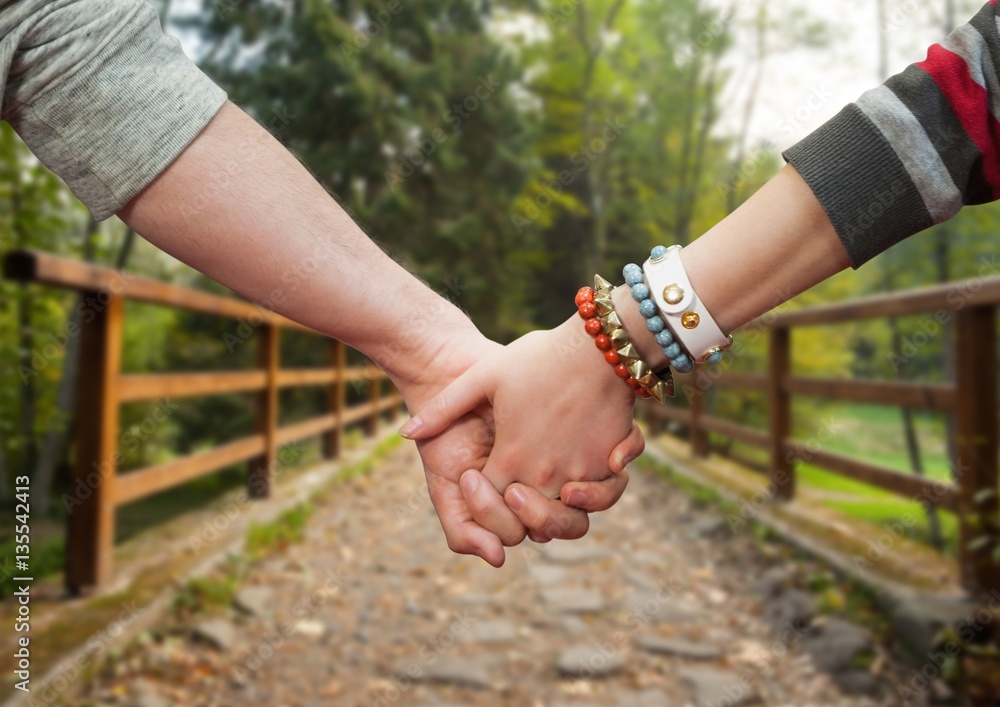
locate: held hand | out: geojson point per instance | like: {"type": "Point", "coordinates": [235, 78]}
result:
{"type": "Point", "coordinates": [559, 412]}
{"type": "Point", "coordinates": [483, 524]}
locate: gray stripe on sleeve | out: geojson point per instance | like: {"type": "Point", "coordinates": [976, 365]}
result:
{"type": "Point", "coordinates": [911, 144]}
{"type": "Point", "coordinates": [968, 43]}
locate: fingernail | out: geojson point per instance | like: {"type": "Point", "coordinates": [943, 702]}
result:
{"type": "Point", "coordinates": [626, 461]}
{"type": "Point", "coordinates": [515, 499]}
{"type": "Point", "coordinates": [576, 498]}
{"type": "Point", "coordinates": [411, 427]}
{"type": "Point", "coordinates": [470, 482]}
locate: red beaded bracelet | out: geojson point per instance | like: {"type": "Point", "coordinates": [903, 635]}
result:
{"type": "Point", "coordinates": [588, 311]}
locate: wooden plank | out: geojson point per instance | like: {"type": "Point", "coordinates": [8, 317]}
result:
{"type": "Point", "coordinates": [338, 399]}
{"type": "Point", "coordinates": [977, 441]}
{"type": "Point", "coordinates": [948, 298]}
{"type": "Point", "coordinates": [928, 396]}
{"type": "Point", "coordinates": [47, 269]}
{"type": "Point", "coordinates": [740, 433]}
{"type": "Point", "coordinates": [307, 428]}
{"type": "Point", "coordinates": [91, 524]}
{"type": "Point", "coordinates": [780, 413]}
{"type": "Point", "coordinates": [183, 385]}
{"type": "Point", "coordinates": [292, 378]}
{"type": "Point", "coordinates": [916, 487]}
{"type": "Point", "coordinates": [266, 412]}
{"type": "Point", "coordinates": [356, 413]}
{"type": "Point", "coordinates": [145, 482]}
{"type": "Point", "coordinates": [745, 381]}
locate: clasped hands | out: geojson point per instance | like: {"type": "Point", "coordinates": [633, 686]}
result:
{"type": "Point", "coordinates": [521, 440]}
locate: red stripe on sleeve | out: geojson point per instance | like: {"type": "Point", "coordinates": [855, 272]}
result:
{"type": "Point", "coordinates": [971, 104]}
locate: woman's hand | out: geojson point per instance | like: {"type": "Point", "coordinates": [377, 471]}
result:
{"type": "Point", "coordinates": [560, 415]}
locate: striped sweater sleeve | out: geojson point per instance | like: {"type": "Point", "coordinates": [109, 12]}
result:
{"type": "Point", "coordinates": [910, 153]}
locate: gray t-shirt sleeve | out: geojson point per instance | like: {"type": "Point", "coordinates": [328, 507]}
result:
{"type": "Point", "coordinates": [101, 96]}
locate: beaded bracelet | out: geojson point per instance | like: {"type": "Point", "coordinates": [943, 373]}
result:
{"type": "Point", "coordinates": [635, 279]}
{"type": "Point", "coordinates": [602, 322]}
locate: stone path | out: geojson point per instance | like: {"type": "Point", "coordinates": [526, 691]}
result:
{"type": "Point", "coordinates": [656, 607]}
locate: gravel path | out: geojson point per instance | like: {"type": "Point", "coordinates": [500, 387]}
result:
{"type": "Point", "coordinates": [653, 608]}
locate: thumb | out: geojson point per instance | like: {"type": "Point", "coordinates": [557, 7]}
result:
{"type": "Point", "coordinates": [461, 395]}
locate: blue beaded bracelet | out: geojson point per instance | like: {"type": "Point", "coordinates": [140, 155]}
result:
{"type": "Point", "coordinates": [635, 279]}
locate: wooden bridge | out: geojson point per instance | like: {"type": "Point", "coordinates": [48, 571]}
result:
{"type": "Point", "coordinates": [971, 398]}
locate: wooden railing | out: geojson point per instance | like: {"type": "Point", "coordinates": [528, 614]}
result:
{"type": "Point", "coordinates": [102, 388]}
{"type": "Point", "coordinates": [971, 398]}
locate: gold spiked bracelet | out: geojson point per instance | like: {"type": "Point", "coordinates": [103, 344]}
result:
{"type": "Point", "coordinates": [603, 323]}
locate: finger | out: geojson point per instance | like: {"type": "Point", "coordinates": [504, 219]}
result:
{"type": "Point", "coordinates": [538, 537]}
{"type": "Point", "coordinates": [595, 496]}
{"type": "Point", "coordinates": [627, 450]}
{"type": "Point", "coordinates": [545, 516]}
{"type": "Point", "coordinates": [464, 535]}
{"type": "Point", "coordinates": [489, 510]}
{"type": "Point", "coordinates": [459, 397]}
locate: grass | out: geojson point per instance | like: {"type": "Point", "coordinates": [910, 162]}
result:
{"type": "Point", "coordinates": [287, 528]}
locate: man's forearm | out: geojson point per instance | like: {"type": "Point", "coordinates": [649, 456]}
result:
{"type": "Point", "coordinates": [237, 206]}
{"type": "Point", "coordinates": [776, 245]}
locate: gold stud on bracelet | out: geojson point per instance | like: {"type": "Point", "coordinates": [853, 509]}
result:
{"type": "Point", "coordinates": [690, 320]}
{"type": "Point", "coordinates": [673, 293]}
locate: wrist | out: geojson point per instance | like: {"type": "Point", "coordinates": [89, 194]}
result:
{"type": "Point", "coordinates": [437, 343]}
{"type": "Point", "coordinates": [579, 354]}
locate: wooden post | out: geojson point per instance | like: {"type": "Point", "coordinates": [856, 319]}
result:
{"type": "Point", "coordinates": [338, 398]}
{"type": "Point", "coordinates": [780, 414]}
{"type": "Point", "coordinates": [976, 471]}
{"type": "Point", "coordinates": [91, 523]}
{"type": "Point", "coordinates": [698, 434]}
{"type": "Point", "coordinates": [262, 467]}
{"type": "Point", "coordinates": [374, 393]}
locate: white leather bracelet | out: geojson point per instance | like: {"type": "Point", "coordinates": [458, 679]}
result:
{"type": "Point", "coordinates": [691, 323]}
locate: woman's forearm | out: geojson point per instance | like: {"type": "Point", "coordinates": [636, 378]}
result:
{"type": "Point", "coordinates": [777, 244]}
{"type": "Point", "coordinates": [237, 206]}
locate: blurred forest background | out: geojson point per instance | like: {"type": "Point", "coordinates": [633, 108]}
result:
{"type": "Point", "coordinates": [505, 152]}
